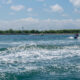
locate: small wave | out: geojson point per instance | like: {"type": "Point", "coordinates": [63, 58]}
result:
{"type": "Point", "coordinates": [71, 37]}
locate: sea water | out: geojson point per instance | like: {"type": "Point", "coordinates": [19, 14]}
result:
{"type": "Point", "coordinates": [39, 57]}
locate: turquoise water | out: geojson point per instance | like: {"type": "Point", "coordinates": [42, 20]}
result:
{"type": "Point", "coordinates": [39, 57]}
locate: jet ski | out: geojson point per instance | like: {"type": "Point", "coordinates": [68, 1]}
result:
{"type": "Point", "coordinates": [76, 36]}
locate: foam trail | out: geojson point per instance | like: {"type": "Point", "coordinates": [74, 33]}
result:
{"type": "Point", "coordinates": [71, 37]}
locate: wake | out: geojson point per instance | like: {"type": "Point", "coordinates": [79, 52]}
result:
{"type": "Point", "coordinates": [71, 37]}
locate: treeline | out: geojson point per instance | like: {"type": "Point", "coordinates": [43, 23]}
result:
{"type": "Point", "coordinates": [39, 32]}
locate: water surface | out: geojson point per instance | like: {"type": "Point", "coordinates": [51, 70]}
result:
{"type": "Point", "coordinates": [39, 57]}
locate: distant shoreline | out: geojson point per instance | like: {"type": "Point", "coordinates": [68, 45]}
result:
{"type": "Point", "coordinates": [40, 34]}
{"type": "Point", "coordinates": [37, 32]}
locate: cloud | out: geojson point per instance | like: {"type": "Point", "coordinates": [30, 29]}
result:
{"type": "Point", "coordinates": [30, 19]}
{"type": "Point", "coordinates": [40, 0]}
{"type": "Point", "coordinates": [6, 1]}
{"type": "Point", "coordinates": [76, 3]}
{"type": "Point", "coordinates": [17, 7]}
{"type": "Point", "coordinates": [56, 8]}
{"type": "Point", "coordinates": [9, 1]}
{"type": "Point", "coordinates": [77, 10]}
{"type": "Point", "coordinates": [37, 24]}
{"type": "Point", "coordinates": [65, 15]}
{"type": "Point", "coordinates": [29, 9]}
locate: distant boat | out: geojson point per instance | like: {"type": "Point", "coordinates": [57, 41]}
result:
{"type": "Point", "coordinates": [76, 36]}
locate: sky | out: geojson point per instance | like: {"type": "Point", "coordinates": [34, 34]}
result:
{"type": "Point", "coordinates": [39, 14]}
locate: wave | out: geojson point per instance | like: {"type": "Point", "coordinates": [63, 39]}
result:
{"type": "Point", "coordinates": [41, 59]}
{"type": "Point", "coordinates": [23, 57]}
{"type": "Point", "coordinates": [34, 60]}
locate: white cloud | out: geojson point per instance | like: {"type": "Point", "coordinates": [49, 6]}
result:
{"type": "Point", "coordinates": [9, 1]}
{"type": "Point", "coordinates": [29, 9]}
{"type": "Point", "coordinates": [30, 19]}
{"type": "Point", "coordinates": [37, 24]}
{"type": "Point", "coordinates": [65, 15]}
{"type": "Point", "coordinates": [17, 7]}
{"type": "Point", "coordinates": [56, 8]}
{"type": "Point", "coordinates": [40, 0]}
{"type": "Point", "coordinates": [6, 1]}
{"type": "Point", "coordinates": [77, 10]}
{"type": "Point", "coordinates": [76, 3]}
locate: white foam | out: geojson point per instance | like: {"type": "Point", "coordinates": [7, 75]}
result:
{"type": "Point", "coordinates": [71, 37]}
{"type": "Point", "coordinates": [21, 57]}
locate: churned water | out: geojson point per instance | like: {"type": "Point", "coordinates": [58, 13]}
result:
{"type": "Point", "coordinates": [39, 57]}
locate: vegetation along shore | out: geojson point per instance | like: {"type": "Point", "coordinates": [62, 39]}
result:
{"type": "Point", "coordinates": [69, 31]}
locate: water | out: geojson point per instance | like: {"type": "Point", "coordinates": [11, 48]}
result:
{"type": "Point", "coordinates": [39, 57]}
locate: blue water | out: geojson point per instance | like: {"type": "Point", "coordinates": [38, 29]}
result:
{"type": "Point", "coordinates": [39, 57]}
